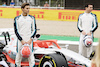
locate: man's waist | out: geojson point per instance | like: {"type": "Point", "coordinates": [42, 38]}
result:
{"type": "Point", "coordinates": [26, 38]}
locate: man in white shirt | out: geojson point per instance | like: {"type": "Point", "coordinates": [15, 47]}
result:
{"type": "Point", "coordinates": [25, 30]}
{"type": "Point", "coordinates": [87, 24]}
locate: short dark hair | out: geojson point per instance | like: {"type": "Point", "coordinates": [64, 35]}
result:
{"type": "Point", "coordinates": [24, 4]}
{"type": "Point", "coordinates": [87, 4]}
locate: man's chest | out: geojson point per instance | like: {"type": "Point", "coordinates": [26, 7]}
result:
{"type": "Point", "coordinates": [87, 18]}
{"type": "Point", "coordinates": [25, 22]}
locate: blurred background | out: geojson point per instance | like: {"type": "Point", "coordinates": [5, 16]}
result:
{"type": "Point", "coordinates": [67, 4]}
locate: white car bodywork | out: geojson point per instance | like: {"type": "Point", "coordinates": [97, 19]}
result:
{"type": "Point", "coordinates": [10, 50]}
{"type": "Point", "coordinates": [79, 59]}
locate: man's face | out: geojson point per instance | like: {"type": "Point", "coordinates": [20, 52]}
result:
{"type": "Point", "coordinates": [26, 9]}
{"type": "Point", "coordinates": [89, 8]}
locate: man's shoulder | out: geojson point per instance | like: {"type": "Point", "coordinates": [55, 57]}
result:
{"type": "Point", "coordinates": [17, 17]}
{"type": "Point", "coordinates": [93, 14]}
{"type": "Point", "coordinates": [81, 14]}
{"type": "Point", "coordinates": [31, 16]}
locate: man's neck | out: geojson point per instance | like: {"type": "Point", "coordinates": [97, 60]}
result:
{"type": "Point", "coordinates": [87, 12]}
{"type": "Point", "coordinates": [24, 14]}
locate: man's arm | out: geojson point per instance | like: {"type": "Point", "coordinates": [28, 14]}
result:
{"type": "Point", "coordinates": [95, 24]}
{"type": "Point", "coordinates": [34, 29]}
{"type": "Point", "coordinates": [16, 29]}
{"type": "Point", "coordinates": [79, 23]}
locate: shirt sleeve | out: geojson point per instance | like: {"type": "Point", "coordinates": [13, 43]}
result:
{"type": "Point", "coordinates": [95, 24]}
{"type": "Point", "coordinates": [16, 29]}
{"type": "Point", "coordinates": [34, 28]}
{"type": "Point", "coordinates": [79, 24]}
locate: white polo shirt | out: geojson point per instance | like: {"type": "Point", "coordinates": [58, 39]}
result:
{"type": "Point", "coordinates": [25, 27]}
{"type": "Point", "coordinates": [87, 22]}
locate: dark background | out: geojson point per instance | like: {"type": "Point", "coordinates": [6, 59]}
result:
{"type": "Point", "coordinates": [67, 4]}
{"type": "Point", "coordinates": [79, 4]}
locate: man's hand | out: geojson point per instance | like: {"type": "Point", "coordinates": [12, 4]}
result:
{"type": "Point", "coordinates": [23, 42]}
{"type": "Point", "coordinates": [89, 33]}
{"type": "Point", "coordinates": [29, 42]}
{"type": "Point", "coordinates": [83, 32]}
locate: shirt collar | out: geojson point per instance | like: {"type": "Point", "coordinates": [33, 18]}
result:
{"type": "Point", "coordinates": [24, 16]}
{"type": "Point", "coordinates": [87, 13]}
